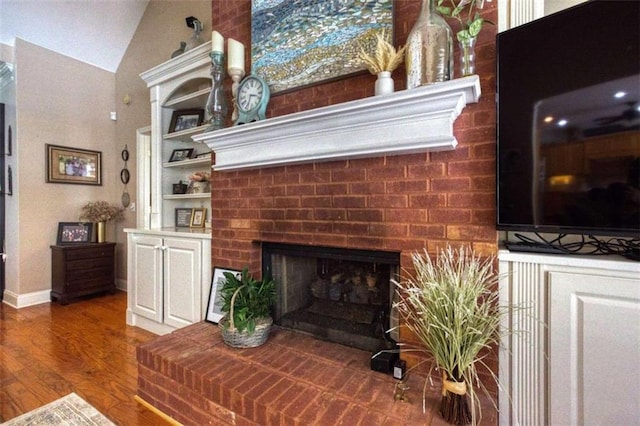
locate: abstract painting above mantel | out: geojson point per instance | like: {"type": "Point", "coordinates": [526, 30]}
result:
{"type": "Point", "coordinates": [297, 43]}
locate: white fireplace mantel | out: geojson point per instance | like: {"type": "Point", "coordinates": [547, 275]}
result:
{"type": "Point", "coordinates": [405, 122]}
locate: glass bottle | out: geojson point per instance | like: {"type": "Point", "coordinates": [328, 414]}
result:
{"type": "Point", "coordinates": [216, 106]}
{"type": "Point", "coordinates": [429, 55]}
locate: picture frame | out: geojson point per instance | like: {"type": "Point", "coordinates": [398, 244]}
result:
{"type": "Point", "coordinates": [185, 119]}
{"type": "Point", "coordinates": [183, 217]}
{"type": "Point", "coordinates": [198, 217]}
{"type": "Point", "coordinates": [181, 154]}
{"type": "Point", "coordinates": [322, 44]}
{"type": "Point", "coordinates": [74, 233]}
{"type": "Point", "coordinates": [214, 305]}
{"type": "Point", "coordinates": [73, 165]}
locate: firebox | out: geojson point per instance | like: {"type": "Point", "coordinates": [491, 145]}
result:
{"type": "Point", "coordinates": [336, 294]}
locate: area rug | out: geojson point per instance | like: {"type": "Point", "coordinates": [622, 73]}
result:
{"type": "Point", "coordinates": [70, 410]}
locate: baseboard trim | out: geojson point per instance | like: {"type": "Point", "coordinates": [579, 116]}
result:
{"type": "Point", "coordinates": [19, 301]}
{"type": "Point", "coordinates": [156, 411]}
{"type": "Point", "coordinates": [29, 299]}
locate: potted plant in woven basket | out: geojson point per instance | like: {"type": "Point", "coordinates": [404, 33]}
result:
{"type": "Point", "coordinates": [247, 306]}
{"type": "Point", "coordinates": [451, 307]}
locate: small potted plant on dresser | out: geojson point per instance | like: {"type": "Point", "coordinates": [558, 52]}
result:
{"type": "Point", "coordinates": [247, 306]}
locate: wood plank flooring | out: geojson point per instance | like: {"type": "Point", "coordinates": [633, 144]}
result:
{"type": "Point", "coordinates": [49, 350]}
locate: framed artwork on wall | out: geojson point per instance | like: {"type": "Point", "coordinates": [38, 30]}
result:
{"type": "Point", "coordinates": [295, 44]}
{"type": "Point", "coordinates": [214, 306]}
{"type": "Point", "coordinates": [73, 165]}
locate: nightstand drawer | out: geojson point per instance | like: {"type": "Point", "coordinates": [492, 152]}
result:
{"type": "Point", "coordinates": [81, 270]}
{"type": "Point", "coordinates": [89, 253]}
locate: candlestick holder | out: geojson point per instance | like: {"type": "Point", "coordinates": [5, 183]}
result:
{"type": "Point", "coordinates": [216, 107]}
{"type": "Point", "coordinates": [236, 75]}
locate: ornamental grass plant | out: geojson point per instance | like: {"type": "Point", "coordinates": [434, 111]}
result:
{"type": "Point", "coordinates": [384, 58]}
{"type": "Point", "coordinates": [451, 306]}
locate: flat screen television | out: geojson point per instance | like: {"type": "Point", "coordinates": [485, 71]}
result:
{"type": "Point", "coordinates": [568, 107]}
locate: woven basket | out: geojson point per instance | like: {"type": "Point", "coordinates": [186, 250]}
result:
{"type": "Point", "coordinates": [234, 338]}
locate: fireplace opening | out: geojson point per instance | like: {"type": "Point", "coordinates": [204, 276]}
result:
{"type": "Point", "coordinates": [341, 295]}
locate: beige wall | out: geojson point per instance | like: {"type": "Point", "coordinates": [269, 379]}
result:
{"type": "Point", "coordinates": [59, 101]}
{"type": "Point", "coordinates": [62, 101]}
{"type": "Point", "coordinates": [159, 33]}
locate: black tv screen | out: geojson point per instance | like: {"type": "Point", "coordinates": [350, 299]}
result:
{"type": "Point", "coordinates": [568, 105]}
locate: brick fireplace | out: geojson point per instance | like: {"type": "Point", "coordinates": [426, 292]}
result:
{"type": "Point", "coordinates": [398, 198]}
{"type": "Point", "coordinates": [339, 295]}
{"type": "Point", "coordinates": [396, 203]}
{"type": "Point", "coordinates": [389, 202]}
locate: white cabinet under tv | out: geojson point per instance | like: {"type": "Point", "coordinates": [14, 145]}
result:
{"type": "Point", "coordinates": [573, 351]}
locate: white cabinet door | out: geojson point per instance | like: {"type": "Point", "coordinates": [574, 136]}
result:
{"type": "Point", "coordinates": [182, 281]}
{"type": "Point", "coordinates": [145, 276]}
{"type": "Point", "coordinates": [594, 349]}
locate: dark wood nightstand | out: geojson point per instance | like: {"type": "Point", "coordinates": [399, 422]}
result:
{"type": "Point", "coordinates": [81, 270]}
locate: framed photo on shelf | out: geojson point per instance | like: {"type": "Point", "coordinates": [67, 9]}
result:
{"type": "Point", "coordinates": [181, 154]}
{"type": "Point", "coordinates": [214, 306]}
{"type": "Point", "coordinates": [198, 217]}
{"type": "Point", "coordinates": [73, 165]}
{"type": "Point", "coordinates": [183, 217]}
{"type": "Point", "coordinates": [186, 119]}
{"type": "Point", "coordinates": [74, 233]}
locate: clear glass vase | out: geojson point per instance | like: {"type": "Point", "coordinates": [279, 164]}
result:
{"type": "Point", "coordinates": [216, 107]}
{"type": "Point", "coordinates": [467, 56]}
{"type": "Point", "coordinates": [429, 55]}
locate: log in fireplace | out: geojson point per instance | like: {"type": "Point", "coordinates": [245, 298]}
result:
{"type": "Point", "coordinates": [336, 294]}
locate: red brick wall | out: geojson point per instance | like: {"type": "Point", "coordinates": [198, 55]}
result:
{"type": "Point", "coordinates": [398, 203]}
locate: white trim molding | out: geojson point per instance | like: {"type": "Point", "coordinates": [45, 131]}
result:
{"type": "Point", "coordinates": [404, 122]}
{"type": "Point", "coordinates": [29, 299]}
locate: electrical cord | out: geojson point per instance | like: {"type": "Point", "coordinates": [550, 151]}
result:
{"type": "Point", "coordinates": [587, 245]}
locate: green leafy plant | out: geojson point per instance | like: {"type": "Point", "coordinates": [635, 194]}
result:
{"type": "Point", "coordinates": [466, 13]}
{"type": "Point", "coordinates": [253, 300]}
{"type": "Point", "coordinates": [451, 306]}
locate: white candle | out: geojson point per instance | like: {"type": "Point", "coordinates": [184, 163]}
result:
{"type": "Point", "coordinates": [236, 54]}
{"type": "Point", "coordinates": [217, 42]}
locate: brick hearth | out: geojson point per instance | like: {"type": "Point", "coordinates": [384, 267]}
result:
{"type": "Point", "coordinates": [294, 379]}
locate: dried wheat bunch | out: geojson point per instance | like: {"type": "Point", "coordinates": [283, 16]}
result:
{"type": "Point", "coordinates": [385, 57]}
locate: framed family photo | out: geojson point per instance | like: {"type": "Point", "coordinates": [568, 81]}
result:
{"type": "Point", "coordinates": [181, 154]}
{"type": "Point", "coordinates": [185, 120]}
{"type": "Point", "coordinates": [214, 306]}
{"type": "Point", "coordinates": [73, 165]}
{"type": "Point", "coordinates": [74, 233]}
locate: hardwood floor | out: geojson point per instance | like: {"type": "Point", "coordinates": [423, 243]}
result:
{"type": "Point", "coordinates": [49, 350]}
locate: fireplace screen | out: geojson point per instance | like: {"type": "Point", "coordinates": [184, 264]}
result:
{"type": "Point", "coordinates": [340, 295]}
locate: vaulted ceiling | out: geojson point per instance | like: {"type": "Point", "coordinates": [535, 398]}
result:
{"type": "Point", "coordinates": [93, 31]}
